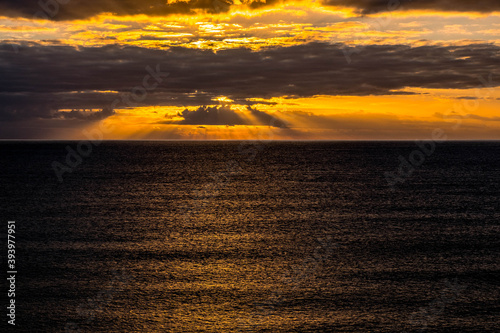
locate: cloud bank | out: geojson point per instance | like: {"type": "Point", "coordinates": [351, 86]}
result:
{"type": "Point", "coordinates": [81, 9]}
{"type": "Point", "coordinates": [39, 80]}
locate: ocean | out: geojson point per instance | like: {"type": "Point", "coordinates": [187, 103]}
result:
{"type": "Point", "coordinates": [228, 236]}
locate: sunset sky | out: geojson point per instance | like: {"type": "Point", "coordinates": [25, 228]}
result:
{"type": "Point", "coordinates": [209, 69]}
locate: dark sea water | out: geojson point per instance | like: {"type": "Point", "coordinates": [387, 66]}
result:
{"type": "Point", "coordinates": [253, 237]}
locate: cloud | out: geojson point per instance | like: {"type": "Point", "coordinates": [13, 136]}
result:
{"type": "Point", "coordinates": [44, 105]}
{"type": "Point", "coordinates": [455, 115]}
{"type": "Point", "coordinates": [211, 116]}
{"type": "Point", "coordinates": [80, 9]}
{"type": "Point", "coordinates": [40, 80]}
{"type": "Point", "coordinates": [473, 116]}
{"type": "Point", "coordinates": [375, 6]}
{"type": "Point", "coordinates": [224, 115]}
{"type": "Point", "coordinates": [89, 115]}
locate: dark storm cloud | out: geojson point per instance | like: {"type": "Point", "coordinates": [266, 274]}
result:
{"type": "Point", "coordinates": [78, 9]}
{"type": "Point", "coordinates": [374, 6]}
{"type": "Point", "coordinates": [22, 105]}
{"type": "Point", "coordinates": [211, 116]}
{"type": "Point", "coordinates": [224, 115]}
{"type": "Point", "coordinates": [89, 115]}
{"type": "Point", "coordinates": [39, 80]}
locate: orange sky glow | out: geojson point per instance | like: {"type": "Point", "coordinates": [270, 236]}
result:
{"type": "Point", "coordinates": [286, 70]}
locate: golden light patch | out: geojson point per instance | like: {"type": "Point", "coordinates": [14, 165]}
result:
{"type": "Point", "coordinates": [282, 24]}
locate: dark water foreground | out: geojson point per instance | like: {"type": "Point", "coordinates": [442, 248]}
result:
{"type": "Point", "coordinates": [262, 237]}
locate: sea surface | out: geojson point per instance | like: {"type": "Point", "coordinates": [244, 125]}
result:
{"type": "Point", "coordinates": [253, 236]}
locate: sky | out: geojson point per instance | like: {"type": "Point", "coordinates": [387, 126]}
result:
{"type": "Point", "coordinates": [249, 70]}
